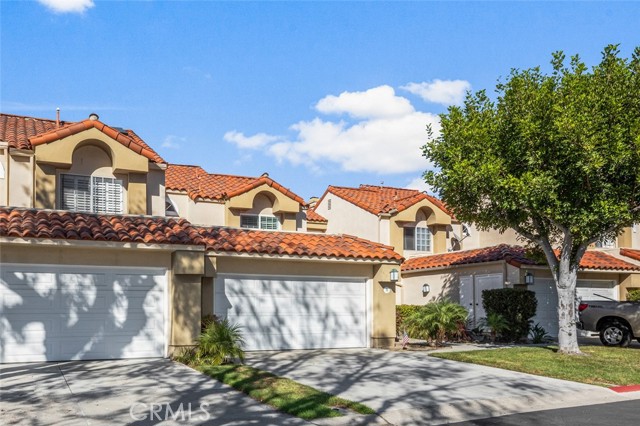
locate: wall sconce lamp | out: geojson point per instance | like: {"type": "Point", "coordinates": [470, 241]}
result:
{"type": "Point", "coordinates": [528, 278]}
{"type": "Point", "coordinates": [426, 288]}
{"type": "Point", "coordinates": [394, 275]}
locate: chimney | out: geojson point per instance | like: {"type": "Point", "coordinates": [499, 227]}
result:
{"type": "Point", "coordinates": [57, 117]}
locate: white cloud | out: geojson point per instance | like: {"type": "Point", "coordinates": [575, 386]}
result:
{"type": "Point", "coordinates": [420, 185]}
{"type": "Point", "coordinates": [445, 92]}
{"type": "Point", "coordinates": [377, 102]}
{"type": "Point", "coordinates": [68, 6]}
{"type": "Point", "coordinates": [250, 142]}
{"type": "Point", "coordinates": [173, 142]}
{"type": "Point", "coordinates": [382, 143]}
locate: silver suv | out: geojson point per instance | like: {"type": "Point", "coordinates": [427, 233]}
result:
{"type": "Point", "coordinates": [617, 322]}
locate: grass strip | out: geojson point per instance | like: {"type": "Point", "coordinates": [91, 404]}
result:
{"type": "Point", "coordinates": [602, 366]}
{"type": "Point", "coordinates": [281, 393]}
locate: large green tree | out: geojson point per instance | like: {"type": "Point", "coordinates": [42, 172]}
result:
{"type": "Point", "coordinates": [555, 156]}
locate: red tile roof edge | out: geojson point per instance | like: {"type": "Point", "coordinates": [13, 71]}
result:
{"type": "Point", "coordinates": [313, 216]}
{"type": "Point", "coordinates": [630, 253]}
{"type": "Point", "coordinates": [74, 128]}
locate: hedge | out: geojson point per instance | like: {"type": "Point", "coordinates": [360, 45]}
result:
{"type": "Point", "coordinates": [516, 306]}
{"type": "Point", "coordinates": [633, 295]}
{"type": "Point", "coordinates": [402, 312]}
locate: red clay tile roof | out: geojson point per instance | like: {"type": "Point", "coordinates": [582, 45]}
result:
{"type": "Point", "coordinates": [514, 255]}
{"type": "Point", "coordinates": [52, 224]}
{"type": "Point", "coordinates": [253, 241]}
{"type": "Point", "coordinates": [26, 132]}
{"type": "Point", "coordinates": [384, 199]}
{"type": "Point", "coordinates": [199, 184]}
{"type": "Point", "coordinates": [312, 216]}
{"type": "Point", "coordinates": [631, 253]}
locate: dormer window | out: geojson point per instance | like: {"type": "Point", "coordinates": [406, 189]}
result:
{"type": "Point", "coordinates": [91, 194]}
{"type": "Point", "coordinates": [255, 221]}
{"type": "Point", "coordinates": [417, 238]}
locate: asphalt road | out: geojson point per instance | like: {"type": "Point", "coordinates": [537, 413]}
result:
{"type": "Point", "coordinates": [625, 413]}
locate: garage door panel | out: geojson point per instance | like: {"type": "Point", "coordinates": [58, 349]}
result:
{"type": "Point", "coordinates": [294, 314]}
{"type": "Point", "coordinates": [80, 314]}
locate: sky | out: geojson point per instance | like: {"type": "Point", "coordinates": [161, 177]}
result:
{"type": "Point", "coordinates": [313, 93]}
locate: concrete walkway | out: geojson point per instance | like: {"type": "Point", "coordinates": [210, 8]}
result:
{"type": "Point", "coordinates": [103, 393]}
{"type": "Point", "coordinates": [413, 388]}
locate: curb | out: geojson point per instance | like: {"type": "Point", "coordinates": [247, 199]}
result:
{"type": "Point", "coordinates": [622, 389]}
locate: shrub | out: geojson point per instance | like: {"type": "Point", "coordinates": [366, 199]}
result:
{"type": "Point", "coordinates": [633, 295]}
{"type": "Point", "coordinates": [538, 334]}
{"type": "Point", "coordinates": [220, 343]}
{"type": "Point", "coordinates": [437, 321]}
{"type": "Point", "coordinates": [516, 306]}
{"type": "Point", "coordinates": [402, 313]}
{"type": "Point", "coordinates": [497, 323]}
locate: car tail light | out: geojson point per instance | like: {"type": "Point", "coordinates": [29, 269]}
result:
{"type": "Point", "coordinates": [582, 307]}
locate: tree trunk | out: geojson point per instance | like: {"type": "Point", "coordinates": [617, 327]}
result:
{"type": "Point", "coordinates": [566, 286]}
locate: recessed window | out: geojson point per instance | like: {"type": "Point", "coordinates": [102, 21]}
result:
{"type": "Point", "coordinates": [91, 194]}
{"type": "Point", "coordinates": [254, 221]}
{"type": "Point", "coordinates": [605, 243]}
{"type": "Point", "coordinates": [170, 208]}
{"type": "Point", "coordinates": [417, 238]}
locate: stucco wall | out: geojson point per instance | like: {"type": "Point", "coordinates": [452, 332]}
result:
{"type": "Point", "coordinates": [4, 176]}
{"type": "Point", "coordinates": [205, 213]}
{"type": "Point", "coordinates": [345, 218]}
{"type": "Point", "coordinates": [155, 191]}
{"type": "Point", "coordinates": [21, 175]}
{"type": "Point", "coordinates": [480, 239]}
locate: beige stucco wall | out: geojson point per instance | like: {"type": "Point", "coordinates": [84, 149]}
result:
{"type": "Point", "coordinates": [346, 218]}
{"type": "Point", "coordinates": [46, 179]}
{"type": "Point", "coordinates": [628, 282]}
{"type": "Point", "coordinates": [445, 283]}
{"type": "Point", "coordinates": [480, 239]}
{"type": "Point", "coordinates": [630, 237]}
{"type": "Point", "coordinates": [21, 175]}
{"type": "Point", "coordinates": [206, 213]}
{"type": "Point", "coordinates": [155, 191]}
{"type": "Point", "coordinates": [383, 331]}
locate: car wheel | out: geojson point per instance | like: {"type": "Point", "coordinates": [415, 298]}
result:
{"type": "Point", "coordinates": [615, 334]}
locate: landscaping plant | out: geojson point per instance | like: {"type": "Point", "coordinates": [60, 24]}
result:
{"type": "Point", "coordinates": [497, 325]}
{"type": "Point", "coordinates": [437, 321]}
{"type": "Point", "coordinates": [538, 334]}
{"type": "Point", "coordinates": [516, 306]}
{"type": "Point", "coordinates": [220, 343]}
{"type": "Point", "coordinates": [402, 313]}
{"type": "Point", "coordinates": [633, 295]}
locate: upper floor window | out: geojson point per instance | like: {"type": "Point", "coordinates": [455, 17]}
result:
{"type": "Point", "coordinates": [417, 238]}
{"type": "Point", "coordinates": [91, 194]}
{"type": "Point", "coordinates": [254, 221]}
{"type": "Point", "coordinates": [606, 243]}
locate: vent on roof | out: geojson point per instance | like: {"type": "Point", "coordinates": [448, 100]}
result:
{"type": "Point", "coordinates": [93, 116]}
{"type": "Point", "coordinates": [121, 130]}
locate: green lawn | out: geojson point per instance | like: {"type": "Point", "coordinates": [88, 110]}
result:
{"type": "Point", "coordinates": [281, 393]}
{"type": "Point", "coordinates": [602, 366]}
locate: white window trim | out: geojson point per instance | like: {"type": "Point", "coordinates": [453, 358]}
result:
{"type": "Point", "coordinates": [260, 216]}
{"type": "Point", "coordinates": [92, 179]}
{"type": "Point", "coordinates": [415, 239]}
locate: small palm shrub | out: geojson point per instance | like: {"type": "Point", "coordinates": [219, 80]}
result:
{"type": "Point", "coordinates": [538, 334]}
{"type": "Point", "coordinates": [437, 321]}
{"type": "Point", "coordinates": [496, 323]}
{"type": "Point", "coordinates": [220, 343]}
{"type": "Point", "coordinates": [402, 313]}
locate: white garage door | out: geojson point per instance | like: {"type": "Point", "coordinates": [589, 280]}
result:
{"type": "Point", "coordinates": [294, 313]}
{"type": "Point", "coordinates": [63, 313]}
{"type": "Point", "coordinates": [545, 289]}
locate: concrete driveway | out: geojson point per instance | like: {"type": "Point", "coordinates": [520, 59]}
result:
{"type": "Point", "coordinates": [413, 388]}
{"type": "Point", "coordinates": [103, 393]}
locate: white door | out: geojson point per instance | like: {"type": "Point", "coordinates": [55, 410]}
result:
{"type": "Point", "coordinates": [471, 287]}
{"type": "Point", "coordinates": [53, 313]}
{"type": "Point", "coordinates": [547, 295]}
{"type": "Point", "coordinates": [290, 313]}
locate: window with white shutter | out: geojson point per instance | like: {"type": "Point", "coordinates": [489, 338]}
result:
{"type": "Point", "coordinates": [91, 194]}
{"type": "Point", "coordinates": [254, 221]}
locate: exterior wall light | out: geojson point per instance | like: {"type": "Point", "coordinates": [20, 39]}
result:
{"type": "Point", "coordinates": [528, 278]}
{"type": "Point", "coordinates": [426, 288]}
{"type": "Point", "coordinates": [394, 275]}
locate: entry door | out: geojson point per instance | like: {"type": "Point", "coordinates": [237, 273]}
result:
{"type": "Point", "coordinates": [471, 287]}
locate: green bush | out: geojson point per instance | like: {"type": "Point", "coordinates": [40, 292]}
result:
{"type": "Point", "coordinates": [516, 306]}
{"type": "Point", "coordinates": [402, 313]}
{"type": "Point", "coordinates": [633, 295]}
{"type": "Point", "coordinates": [497, 323]}
{"type": "Point", "coordinates": [437, 321]}
{"type": "Point", "coordinates": [538, 334]}
{"type": "Point", "coordinates": [220, 343]}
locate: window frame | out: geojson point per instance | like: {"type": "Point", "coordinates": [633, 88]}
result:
{"type": "Point", "coordinates": [415, 239]}
{"type": "Point", "coordinates": [260, 218]}
{"type": "Point", "coordinates": [93, 182]}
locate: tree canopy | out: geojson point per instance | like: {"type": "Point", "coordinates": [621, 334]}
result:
{"type": "Point", "coordinates": [555, 156]}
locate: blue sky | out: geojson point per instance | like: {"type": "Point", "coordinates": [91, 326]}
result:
{"type": "Point", "coordinates": [313, 93]}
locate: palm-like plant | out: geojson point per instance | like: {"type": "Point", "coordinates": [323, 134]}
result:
{"type": "Point", "coordinates": [220, 343]}
{"type": "Point", "coordinates": [436, 321]}
{"type": "Point", "coordinates": [496, 323]}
